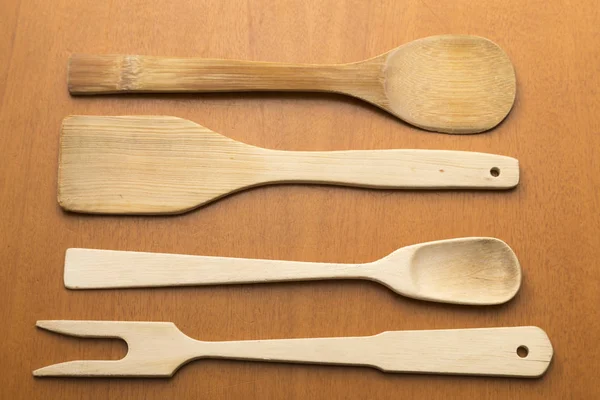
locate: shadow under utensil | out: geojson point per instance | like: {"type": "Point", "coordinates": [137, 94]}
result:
{"type": "Point", "coordinates": [373, 192]}
{"type": "Point", "coordinates": [254, 96]}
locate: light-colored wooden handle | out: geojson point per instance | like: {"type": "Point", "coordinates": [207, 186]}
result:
{"type": "Point", "coordinates": [396, 169]}
{"type": "Point", "coordinates": [93, 269]}
{"type": "Point", "coordinates": [93, 74]}
{"type": "Point", "coordinates": [486, 351]}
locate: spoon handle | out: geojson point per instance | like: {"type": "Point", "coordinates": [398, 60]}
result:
{"type": "Point", "coordinates": [95, 269]}
{"type": "Point", "coordinates": [96, 74]}
{"type": "Point", "coordinates": [395, 169]}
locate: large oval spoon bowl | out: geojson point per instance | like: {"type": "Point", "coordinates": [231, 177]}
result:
{"type": "Point", "coordinates": [450, 83]}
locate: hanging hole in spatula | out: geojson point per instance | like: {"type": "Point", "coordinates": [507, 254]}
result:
{"type": "Point", "coordinates": [495, 172]}
{"type": "Point", "coordinates": [522, 351]}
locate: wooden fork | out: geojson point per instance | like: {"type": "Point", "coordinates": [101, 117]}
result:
{"type": "Point", "coordinates": [158, 349]}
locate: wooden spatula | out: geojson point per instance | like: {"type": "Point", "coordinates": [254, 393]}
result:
{"type": "Point", "coordinates": [449, 83]}
{"type": "Point", "coordinates": [166, 165]}
{"type": "Point", "coordinates": [159, 349]}
{"type": "Point", "coordinates": [475, 271]}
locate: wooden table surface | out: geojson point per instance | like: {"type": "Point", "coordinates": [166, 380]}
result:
{"type": "Point", "coordinates": [551, 219]}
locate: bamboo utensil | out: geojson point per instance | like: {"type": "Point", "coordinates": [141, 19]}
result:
{"type": "Point", "coordinates": [169, 165]}
{"type": "Point", "coordinates": [158, 349]}
{"type": "Point", "coordinates": [475, 271]}
{"type": "Point", "coordinates": [449, 83]}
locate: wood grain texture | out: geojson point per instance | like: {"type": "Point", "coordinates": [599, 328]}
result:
{"type": "Point", "coordinates": [551, 220]}
{"type": "Point", "coordinates": [169, 165]}
{"type": "Point", "coordinates": [159, 349]}
{"type": "Point", "coordinates": [444, 83]}
{"type": "Point", "coordinates": [476, 271]}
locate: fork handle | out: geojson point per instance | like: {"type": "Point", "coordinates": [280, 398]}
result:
{"type": "Point", "coordinates": [487, 351]}
{"type": "Point", "coordinates": [96, 74]}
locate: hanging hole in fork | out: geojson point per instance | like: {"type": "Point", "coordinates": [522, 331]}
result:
{"type": "Point", "coordinates": [495, 172]}
{"type": "Point", "coordinates": [522, 351]}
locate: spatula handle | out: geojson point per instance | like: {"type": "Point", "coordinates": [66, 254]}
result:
{"type": "Point", "coordinates": [95, 269]}
{"type": "Point", "coordinates": [397, 169]}
{"type": "Point", "coordinates": [489, 351]}
{"type": "Point", "coordinates": [95, 74]}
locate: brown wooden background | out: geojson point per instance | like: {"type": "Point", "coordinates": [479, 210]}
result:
{"type": "Point", "coordinates": [551, 220]}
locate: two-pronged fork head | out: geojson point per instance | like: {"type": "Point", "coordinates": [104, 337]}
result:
{"type": "Point", "coordinates": [155, 349]}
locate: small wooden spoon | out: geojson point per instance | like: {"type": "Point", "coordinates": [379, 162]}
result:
{"type": "Point", "coordinates": [449, 83]}
{"type": "Point", "coordinates": [166, 165]}
{"type": "Point", "coordinates": [477, 271]}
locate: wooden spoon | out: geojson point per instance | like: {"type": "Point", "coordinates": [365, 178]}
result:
{"type": "Point", "coordinates": [449, 83]}
{"type": "Point", "coordinates": [477, 271]}
{"type": "Point", "coordinates": [162, 165]}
